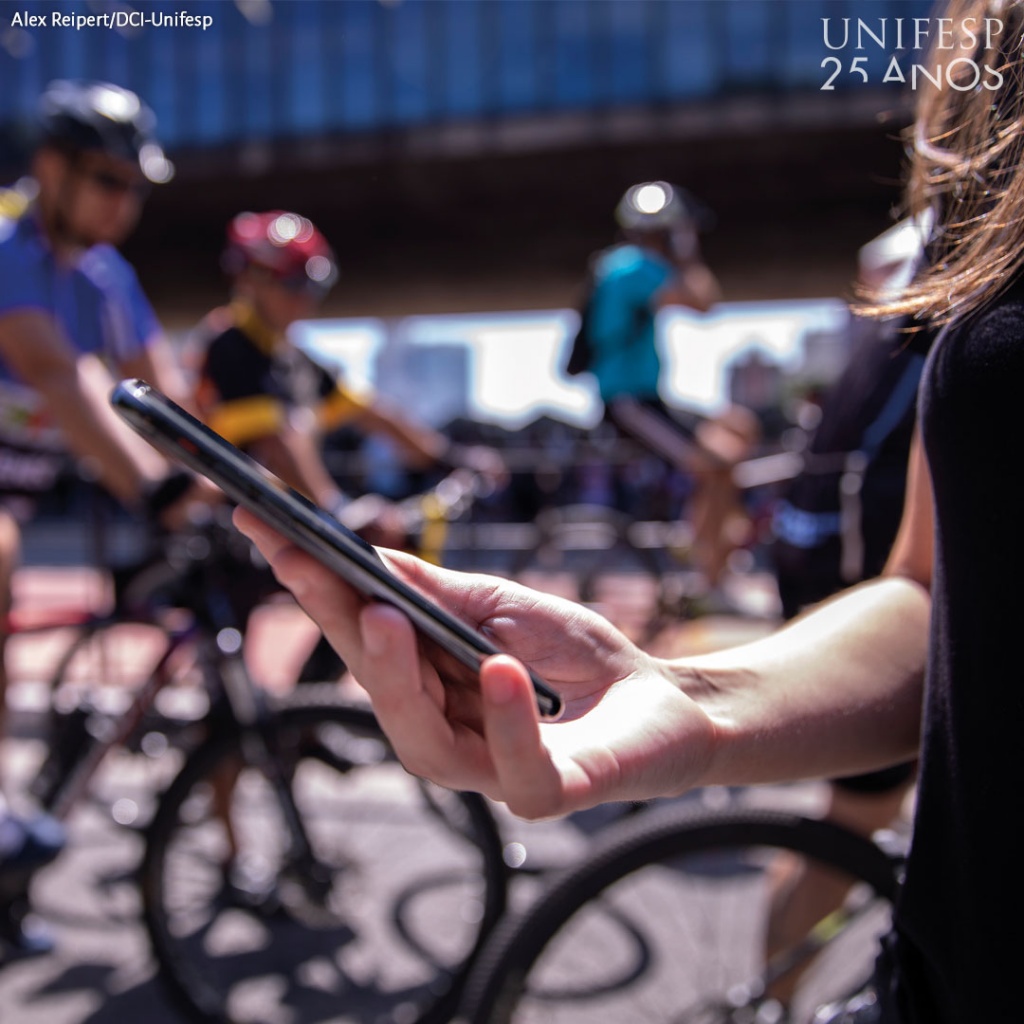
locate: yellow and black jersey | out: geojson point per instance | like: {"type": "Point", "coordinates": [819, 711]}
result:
{"type": "Point", "coordinates": [13, 203]}
{"type": "Point", "coordinates": [249, 381]}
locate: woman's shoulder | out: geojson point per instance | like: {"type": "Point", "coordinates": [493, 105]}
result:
{"type": "Point", "coordinates": [988, 345]}
{"type": "Point", "coordinates": [1002, 319]}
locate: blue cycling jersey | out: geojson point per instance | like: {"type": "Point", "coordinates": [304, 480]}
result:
{"type": "Point", "coordinates": [97, 300]}
{"type": "Point", "coordinates": [625, 354]}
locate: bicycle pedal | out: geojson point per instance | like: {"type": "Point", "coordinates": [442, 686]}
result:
{"type": "Point", "coordinates": [243, 891]}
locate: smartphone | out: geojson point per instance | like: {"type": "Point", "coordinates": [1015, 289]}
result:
{"type": "Point", "coordinates": [180, 436]}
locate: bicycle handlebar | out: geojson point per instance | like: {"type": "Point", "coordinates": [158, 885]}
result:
{"type": "Point", "coordinates": [181, 565]}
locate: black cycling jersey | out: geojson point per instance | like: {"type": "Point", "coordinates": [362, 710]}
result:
{"type": "Point", "coordinates": [870, 410]}
{"type": "Point", "coordinates": [249, 380]}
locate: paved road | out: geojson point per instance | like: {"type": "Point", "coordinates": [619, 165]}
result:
{"type": "Point", "coordinates": [101, 971]}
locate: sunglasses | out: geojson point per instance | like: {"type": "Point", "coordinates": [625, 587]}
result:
{"type": "Point", "coordinates": [300, 284]}
{"type": "Point", "coordinates": [115, 184]}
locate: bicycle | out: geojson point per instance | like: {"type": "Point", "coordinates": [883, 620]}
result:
{"type": "Point", "coordinates": [663, 921]}
{"type": "Point", "coordinates": [272, 879]}
{"type": "Point", "coordinates": [640, 573]}
{"type": "Point", "coordinates": [628, 570]}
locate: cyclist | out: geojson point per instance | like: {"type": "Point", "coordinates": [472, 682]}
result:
{"type": "Point", "coordinates": [836, 526]}
{"type": "Point", "coordinates": [924, 660]}
{"type": "Point", "coordinates": [267, 396]}
{"type": "Point", "coordinates": [657, 264]}
{"type": "Point", "coordinates": [273, 400]}
{"type": "Point", "coordinates": [70, 305]}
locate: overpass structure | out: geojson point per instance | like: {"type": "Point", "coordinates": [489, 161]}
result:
{"type": "Point", "coordinates": [467, 154]}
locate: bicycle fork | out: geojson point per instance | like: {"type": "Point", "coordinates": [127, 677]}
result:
{"type": "Point", "coordinates": [749, 1002]}
{"type": "Point", "coordinates": [249, 709]}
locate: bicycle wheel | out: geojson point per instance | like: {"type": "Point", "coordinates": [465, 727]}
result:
{"type": "Point", "coordinates": [587, 553]}
{"type": "Point", "coordinates": [664, 922]}
{"type": "Point", "coordinates": [99, 676]}
{"type": "Point", "coordinates": [108, 655]}
{"type": "Point", "coordinates": [378, 926]}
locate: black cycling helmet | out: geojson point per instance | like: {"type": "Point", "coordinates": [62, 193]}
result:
{"type": "Point", "coordinates": [658, 206]}
{"type": "Point", "coordinates": [100, 116]}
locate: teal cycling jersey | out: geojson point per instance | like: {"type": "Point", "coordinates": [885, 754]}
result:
{"type": "Point", "coordinates": [625, 358]}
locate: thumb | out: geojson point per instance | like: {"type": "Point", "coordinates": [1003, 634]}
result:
{"type": "Point", "coordinates": [529, 781]}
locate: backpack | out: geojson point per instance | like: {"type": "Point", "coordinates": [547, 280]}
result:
{"type": "Point", "coordinates": [581, 350]}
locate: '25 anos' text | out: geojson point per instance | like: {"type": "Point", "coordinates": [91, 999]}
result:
{"type": "Point", "coordinates": [962, 74]}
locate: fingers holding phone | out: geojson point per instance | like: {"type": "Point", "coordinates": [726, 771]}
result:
{"type": "Point", "coordinates": [173, 431]}
{"type": "Point", "coordinates": [434, 723]}
{"type": "Point", "coordinates": [332, 602]}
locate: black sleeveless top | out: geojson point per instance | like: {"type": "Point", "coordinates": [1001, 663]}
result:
{"type": "Point", "coordinates": [955, 951]}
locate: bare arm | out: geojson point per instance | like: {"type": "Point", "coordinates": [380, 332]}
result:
{"type": "Point", "coordinates": [294, 456]}
{"type": "Point", "coordinates": [694, 286]}
{"type": "Point", "coordinates": [839, 690]}
{"type": "Point", "coordinates": [421, 446]}
{"type": "Point", "coordinates": [76, 389]}
{"type": "Point", "coordinates": [857, 662]}
{"type": "Point", "coordinates": [424, 447]}
{"type": "Point", "coordinates": [913, 549]}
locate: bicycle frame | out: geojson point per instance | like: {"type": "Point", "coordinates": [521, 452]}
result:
{"type": "Point", "coordinates": [75, 778]}
{"type": "Point", "coordinates": [214, 629]}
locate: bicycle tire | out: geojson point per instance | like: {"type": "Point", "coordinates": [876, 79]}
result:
{"type": "Point", "coordinates": [409, 888]}
{"type": "Point", "coordinates": [685, 867]}
{"type": "Point", "coordinates": [118, 652]}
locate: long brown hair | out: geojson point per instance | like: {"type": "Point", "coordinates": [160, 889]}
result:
{"type": "Point", "coordinates": [966, 154]}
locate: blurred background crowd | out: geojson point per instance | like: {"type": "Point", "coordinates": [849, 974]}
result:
{"type": "Point", "coordinates": [463, 157]}
{"type": "Point", "coordinates": [469, 165]}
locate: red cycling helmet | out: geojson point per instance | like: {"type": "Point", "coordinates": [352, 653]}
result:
{"type": "Point", "coordinates": [286, 244]}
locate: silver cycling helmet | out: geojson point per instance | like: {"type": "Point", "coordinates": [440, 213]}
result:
{"type": "Point", "coordinates": [659, 206]}
{"type": "Point", "coordinates": [103, 117]}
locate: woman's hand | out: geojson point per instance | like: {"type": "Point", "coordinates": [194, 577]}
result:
{"type": "Point", "coordinates": [627, 732]}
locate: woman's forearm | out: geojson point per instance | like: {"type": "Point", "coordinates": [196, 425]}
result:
{"type": "Point", "coordinates": [837, 691]}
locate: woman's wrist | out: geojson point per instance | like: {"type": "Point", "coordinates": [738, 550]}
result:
{"type": "Point", "coordinates": [723, 695]}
